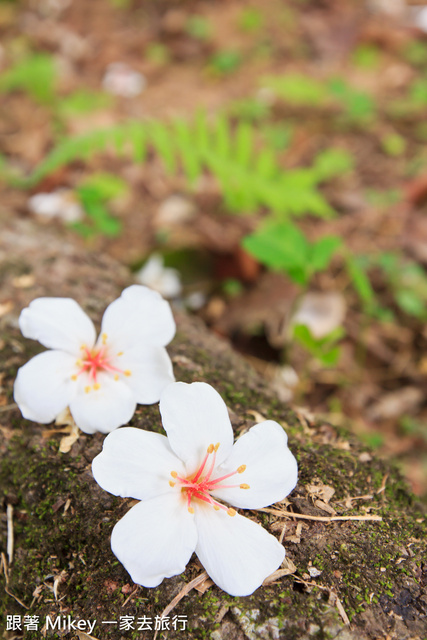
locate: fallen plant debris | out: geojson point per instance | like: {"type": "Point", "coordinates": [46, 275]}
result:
{"type": "Point", "coordinates": [268, 154]}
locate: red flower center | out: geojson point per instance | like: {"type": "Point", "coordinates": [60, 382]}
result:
{"type": "Point", "coordinates": [199, 486]}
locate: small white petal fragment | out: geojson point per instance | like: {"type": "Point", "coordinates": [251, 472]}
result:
{"type": "Point", "coordinates": [148, 546]}
{"type": "Point", "coordinates": [121, 80]}
{"type": "Point", "coordinates": [61, 204]}
{"type": "Point", "coordinates": [314, 572]}
{"type": "Point", "coordinates": [321, 312]}
{"type": "Point", "coordinates": [238, 554]}
{"type": "Point", "coordinates": [163, 279]}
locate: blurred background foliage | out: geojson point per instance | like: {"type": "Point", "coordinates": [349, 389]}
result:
{"type": "Point", "coordinates": [268, 157]}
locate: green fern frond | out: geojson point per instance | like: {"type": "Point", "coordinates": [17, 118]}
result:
{"type": "Point", "coordinates": [249, 175]}
{"type": "Point", "coordinates": [35, 75]}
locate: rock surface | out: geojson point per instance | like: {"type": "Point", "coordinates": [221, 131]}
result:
{"type": "Point", "coordinates": [374, 573]}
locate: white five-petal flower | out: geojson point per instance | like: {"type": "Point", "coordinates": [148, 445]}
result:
{"type": "Point", "coordinates": [101, 381]}
{"type": "Point", "coordinates": [182, 480]}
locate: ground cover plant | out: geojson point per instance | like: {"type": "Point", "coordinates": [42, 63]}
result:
{"type": "Point", "coordinates": [271, 154]}
{"type": "Point", "coordinates": [283, 158]}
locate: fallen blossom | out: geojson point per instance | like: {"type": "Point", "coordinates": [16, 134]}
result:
{"type": "Point", "coordinates": [321, 312]}
{"type": "Point", "coordinates": [419, 17]}
{"type": "Point", "coordinates": [182, 480]}
{"type": "Point", "coordinates": [121, 80]}
{"type": "Point", "coordinates": [163, 279]}
{"type": "Point", "coordinates": [101, 381]}
{"type": "Point", "coordinates": [61, 204]}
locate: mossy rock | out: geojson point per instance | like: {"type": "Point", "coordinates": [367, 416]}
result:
{"type": "Point", "coordinates": [63, 565]}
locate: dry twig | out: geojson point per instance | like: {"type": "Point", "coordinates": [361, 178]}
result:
{"type": "Point", "coordinates": [184, 591]}
{"type": "Point", "coordinates": [332, 593]}
{"type": "Point", "coordinates": [9, 516]}
{"type": "Point", "coordinates": [4, 567]}
{"type": "Point", "coordinates": [303, 516]}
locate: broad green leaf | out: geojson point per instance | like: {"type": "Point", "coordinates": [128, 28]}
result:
{"type": "Point", "coordinates": [280, 246]}
{"type": "Point", "coordinates": [322, 252]}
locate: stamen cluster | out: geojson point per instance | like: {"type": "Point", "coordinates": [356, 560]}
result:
{"type": "Point", "coordinates": [199, 486]}
{"type": "Point", "coordinates": [97, 360]}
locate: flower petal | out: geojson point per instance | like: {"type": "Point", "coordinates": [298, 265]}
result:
{"type": "Point", "coordinates": [105, 408]}
{"type": "Point", "coordinates": [43, 387]}
{"type": "Point", "coordinates": [139, 315]}
{"type": "Point", "coordinates": [58, 323]}
{"type": "Point", "coordinates": [151, 371]}
{"type": "Point", "coordinates": [195, 416]}
{"type": "Point", "coordinates": [155, 539]}
{"type": "Point", "coordinates": [136, 464]}
{"type": "Point", "coordinates": [237, 553]}
{"type": "Point", "coordinates": [271, 469]}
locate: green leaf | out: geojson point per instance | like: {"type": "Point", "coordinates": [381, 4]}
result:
{"type": "Point", "coordinates": [81, 102]}
{"type": "Point", "coordinates": [103, 186]}
{"type": "Point", "coordinates": [332, 162]}
{"type": "Point", "coordinates": [244, 144]}
{"type": "Point", "coordinates": [160, 136]}
{"type": "Point", "coordinates": [360, 282]}
{"type": "Point", "coordinates": [280, 246]}
{"type": "Point", "coordinates": [225, 62]}
{"type": "Point", "coordinates": [185, 143]}
{"type": "Point", "coordinates": [411, 303]}
{"type": "Point", "coordinates": [322, 252]}
{"type": "Point", "coordinates": [297, 89]}
{"type": "Point", "coordinates": [331, 357]}
{"type": "Point", "coordinates": [35, 75]}
{"type": "Point", "coordinates": [303, 335]}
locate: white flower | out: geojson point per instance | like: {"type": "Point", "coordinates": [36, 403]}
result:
{"type": "Point", "coordinates": [121, 80]}
{"type": "Point", "coordinates": [321, 312]}
{"type": "Point", "coordinates": [58, 204]}
{"type": "Point", "coordinates": [163, 279]}
{"type": "Point", "coordinates": [101, 381]}
{"type": "Point", "coordinates": [179, 480]}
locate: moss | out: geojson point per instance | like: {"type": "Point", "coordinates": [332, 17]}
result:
{"type": "Point", "coordinates": [95, 586]}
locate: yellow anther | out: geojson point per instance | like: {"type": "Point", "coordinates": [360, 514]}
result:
{"type": "Point", "coordinates": [171, 484]}
{"type": "Point", "coordinates": [231, 512]}
{"type": "Point", "coordinates": [120, 353]}
{"type": "Point", "coordinates": [190, 510]}
{"type": "Point", "coordinates": [79, 362]}
{"type": "Point", "coordinates": [96, 386]}
{"type": "Point", "coordinates": [104, 338]}
{"type": "Point", "coordinates": [244, 486]}
{"type": "Point", "coordinates": [211, 448]}
{"type": "Point", "coordinates": [241, 469]}
{"type": "Point", "coordinates": [74, 377]}
{"type": "Point", "coordinates": [87, 389]}
{"type": "Point", "coordinates": [216, 507]}
{"type": "Point", "coordinates": [127, 372]}
{"type": "Point", "coordinates": [216, 446]}
{"type": "Point", "coordinates": [174, 474]}
{"type": "Point", "coordinates": [116, 377]}
{"type": "Point", "coordinates": [83, 347]}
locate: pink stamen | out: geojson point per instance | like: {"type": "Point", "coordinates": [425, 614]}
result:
{"type": "Point", "coordinates": [199, 487]}
{"type": "Point", "coordinates": [202, 466]}
{"type": "Point", "coordinates": [95, 361]}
